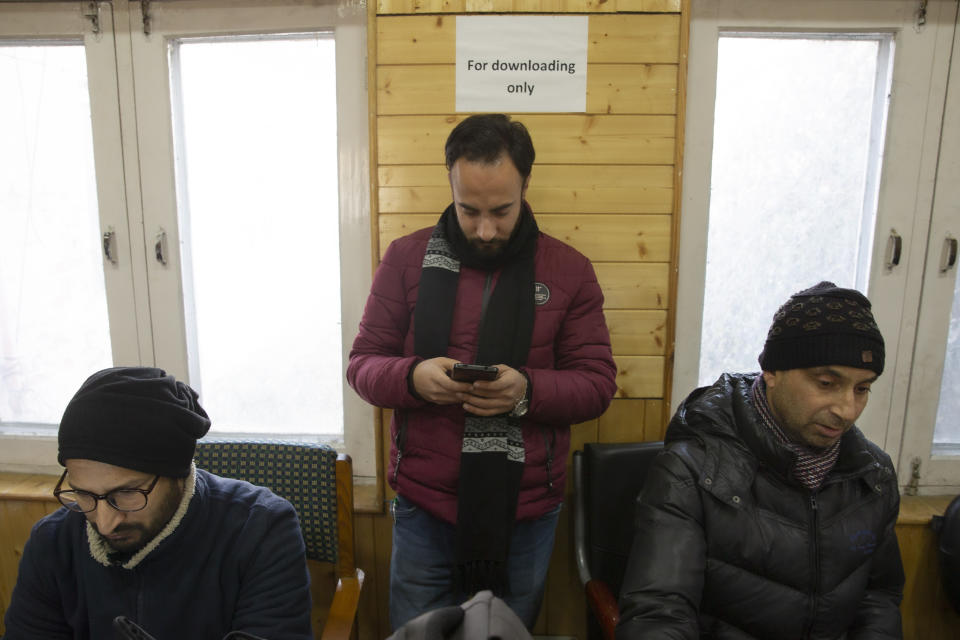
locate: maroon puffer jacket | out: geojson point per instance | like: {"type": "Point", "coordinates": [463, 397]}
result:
{"type": "Point", "coordinates": [570, 366]}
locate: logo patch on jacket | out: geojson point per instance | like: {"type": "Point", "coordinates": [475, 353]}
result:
{"type": "Point", "coordinates": [541, 294]}
{"type": "Point", "coordinates": [863, 541]}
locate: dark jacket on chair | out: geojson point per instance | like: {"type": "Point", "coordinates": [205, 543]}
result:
{"type": "Point", "coordinates": [232, 558]}
{"type": "Point", "coordinates": [730, 546]}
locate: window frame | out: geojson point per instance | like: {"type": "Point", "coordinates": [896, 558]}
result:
{"type": "Point", "coordinates": [33, 447]}
{"type": "Point", "coordinates": [939, 471]}
{"type": "Point", "coordinates": [126, 101]}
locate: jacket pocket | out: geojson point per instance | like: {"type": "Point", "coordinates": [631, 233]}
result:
{"type": "Point", "coordinates": [401, 508]}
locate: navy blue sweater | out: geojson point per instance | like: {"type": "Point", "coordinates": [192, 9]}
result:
{"type": "Point", "coordinates": [234, 561]}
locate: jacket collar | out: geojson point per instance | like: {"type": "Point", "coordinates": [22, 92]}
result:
{"type": "Point", "coordinates": [723, 419]}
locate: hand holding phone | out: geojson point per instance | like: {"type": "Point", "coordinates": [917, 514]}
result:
{"type": "Point", "coordinates": [470, 372]}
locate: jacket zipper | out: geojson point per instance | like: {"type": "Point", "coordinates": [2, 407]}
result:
{"type": "Point", "coordinates": [486, 294]}
{"type": "Point", "coordinates": [130, 578]}
{"type": "Point", "coordinates": [548, 444]}
{"type": "Point", "coordinates": [399, 442]}
{"type": "Point", "coordinates": [815, 557]}
{"type": "Point", "coordinates": [815, 540]}
{"type": "Point", "coordinates": [485, 298]}
{"type": "Point", "coordinates": [140, 595]}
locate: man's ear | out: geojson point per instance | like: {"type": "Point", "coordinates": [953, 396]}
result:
{"type": "Point", "coordinates": [453, 194]}
{"type": "Point", "coordinates": [770, 377]}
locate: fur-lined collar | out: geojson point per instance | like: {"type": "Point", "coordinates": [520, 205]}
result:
{"type": "Point", "coordinates": [100, 550]}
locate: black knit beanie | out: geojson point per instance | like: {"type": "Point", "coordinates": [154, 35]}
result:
{"type": "Point", "coordinates": [138, 418]}
{"type": "Point", "coordinates": [823, 325]}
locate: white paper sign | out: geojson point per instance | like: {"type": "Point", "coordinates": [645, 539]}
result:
{"type": "Point", "coordinates": [522, 63]}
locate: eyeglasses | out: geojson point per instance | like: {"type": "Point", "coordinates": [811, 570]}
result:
{"type": "Point", "coordinates": [120, 499]}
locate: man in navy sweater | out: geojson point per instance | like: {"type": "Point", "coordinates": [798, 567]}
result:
{"type": "Point", "coordinates": [145, 535]}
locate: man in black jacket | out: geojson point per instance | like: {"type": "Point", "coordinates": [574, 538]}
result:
{"type": "Point", "coordinates": [770, 515]}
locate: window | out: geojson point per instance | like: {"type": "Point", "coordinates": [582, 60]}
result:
{"type": "Point", "coordinates": [932, 399]}
{"type": "Point", "coordinates": [813, 143]}
{"type": "Point", "coordinates": [797, 147]}
{"type": "Point", "coordinates": [946, 435]}
{"type": "Point", "coordinates": [259, 227]}
{"type": "Point", "coordinates": [53, 304]}
{"type": "Point", "coordinates": [227, 226]}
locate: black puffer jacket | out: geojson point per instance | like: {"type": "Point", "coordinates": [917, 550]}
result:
{"type": "Point", "coordinates": [729, 546]}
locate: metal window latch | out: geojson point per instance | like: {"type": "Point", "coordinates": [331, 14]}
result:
{"type": "Point", "coordinates": [109, 246]}
{"type": "Point", "coordinates": [913, 487]}
{"type": "Point", "coordinates": [91, 11]}
{"type": "Point", "coordinates": [894, 249]}
{"type": "Point", "coordinates": [160, 247]}
{"type": "Point", "coordinates": [147, 18]}
{"type": "Point", "coordinates": [948, 256]}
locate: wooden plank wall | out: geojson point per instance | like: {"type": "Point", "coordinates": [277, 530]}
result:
{"type": "Point", "coordinates": [19, 510]}
{"type": "Point", "coordinates": [605, 181]}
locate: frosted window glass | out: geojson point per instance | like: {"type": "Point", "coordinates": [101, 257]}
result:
{"type": "Point", "coordinates": [259, 207]}
{"type": "Point", "coordinates": [947, 430]}
{"type": "Point", "coordinates": [54, 330]}
{"type": "Point", "coordinates": [789, 187]}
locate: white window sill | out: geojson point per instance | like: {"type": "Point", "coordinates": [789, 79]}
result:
{"type": "Point", "coordinates": [32, 449]}
{"type": "Point", "coordinates": [29, 449]}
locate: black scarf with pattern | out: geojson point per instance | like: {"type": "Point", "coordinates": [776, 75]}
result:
{"type": "Point", "coordinates": [492, 454]}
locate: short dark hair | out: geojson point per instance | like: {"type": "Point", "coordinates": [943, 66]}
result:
{"type": "Point", "coordinates": [482, 138]}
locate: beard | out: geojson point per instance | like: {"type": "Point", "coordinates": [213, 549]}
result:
{"type": "Point", "coordinates": [136, 535]}
{"type": "Point", "coordinates": [490, 249]}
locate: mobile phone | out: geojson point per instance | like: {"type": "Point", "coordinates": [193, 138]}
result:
{"type": "Point", "coordinates": [470, 372]}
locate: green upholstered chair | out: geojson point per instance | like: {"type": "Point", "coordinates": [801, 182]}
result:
{"type": "Point", "coordinates": [318, 482]}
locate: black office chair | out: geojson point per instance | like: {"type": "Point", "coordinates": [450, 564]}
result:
{"type": "Point", "coordinates": [948, 528]}
{"type": "Point", "coordinates": [606, 479]}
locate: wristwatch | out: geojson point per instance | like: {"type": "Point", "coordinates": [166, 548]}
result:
{"type": "Point", "coordinates": [523, 404]}
{"type": "Point", "coordinates": [520, 409]}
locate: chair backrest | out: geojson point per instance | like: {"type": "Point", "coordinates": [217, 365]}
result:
{"type": "Point", "coordinates": [313, 477]}
{"type": "Point", "coordinates": [949, 548]}
{"type": "Point", "coordinates": [607, 479]}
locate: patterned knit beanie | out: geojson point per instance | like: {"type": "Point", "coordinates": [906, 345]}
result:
{"type": "Point", "coordinates": [137, 418]}
{"type": "Point", "coordinates": [824, 325]}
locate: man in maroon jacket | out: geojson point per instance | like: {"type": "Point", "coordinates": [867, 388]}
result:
{"type": "Point", "coordinates": [479, 467]}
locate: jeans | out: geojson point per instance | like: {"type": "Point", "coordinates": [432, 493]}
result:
{"type": "Point", "coordinates": [421, 567]}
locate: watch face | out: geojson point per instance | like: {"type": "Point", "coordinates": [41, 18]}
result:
{"type": "Point", "coordinates": [520, 409]}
